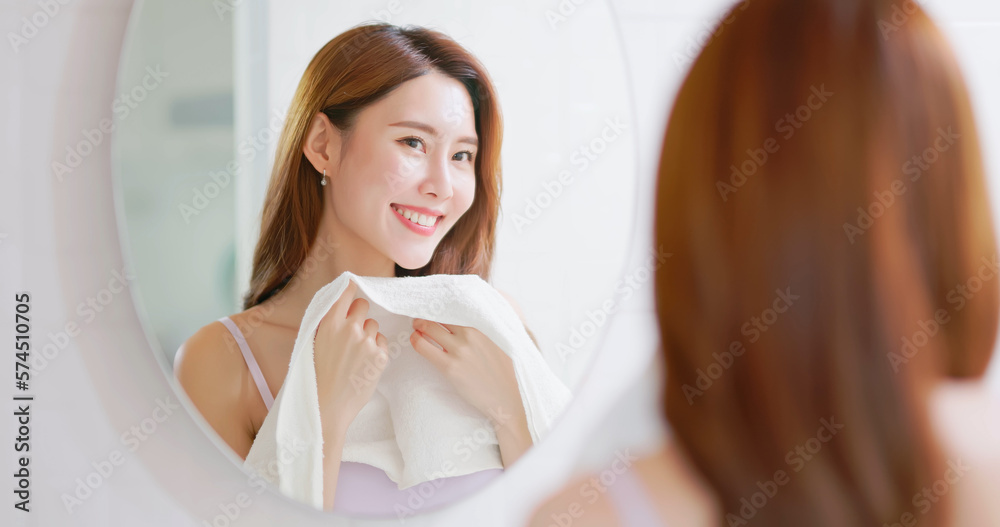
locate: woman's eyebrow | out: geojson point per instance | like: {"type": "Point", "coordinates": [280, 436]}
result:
{"type": "Point", "coordinates": [431, 130]}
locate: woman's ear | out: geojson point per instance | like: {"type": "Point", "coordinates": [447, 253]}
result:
{"type": "Point", "coordinates": [322, 144]}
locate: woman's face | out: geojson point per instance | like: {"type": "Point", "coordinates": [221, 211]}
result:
{"type": "Point", "coordinates": [407, 173]}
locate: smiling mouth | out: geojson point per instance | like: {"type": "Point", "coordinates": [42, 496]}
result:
{"type": "Point", "coordinates": [417, 219]}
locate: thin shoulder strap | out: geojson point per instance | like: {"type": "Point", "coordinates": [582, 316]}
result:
{"type": "Point", "coordinates": [258, 376]}
{"type": "Point", "coordinates": [631, 500]}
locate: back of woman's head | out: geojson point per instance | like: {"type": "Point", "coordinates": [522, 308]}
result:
{"type": "Point", "coordinates": [822, 193]}
{"type": "Point", "coordinates": [352, 71]}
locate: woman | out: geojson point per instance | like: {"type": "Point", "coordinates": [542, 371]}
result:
{"type": "Point", "coordinates": [831, 305]}
{"type": "Point", "coordinates": [388, 165]}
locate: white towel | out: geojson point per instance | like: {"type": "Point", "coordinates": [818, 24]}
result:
{"type": "Point", "coordinates": [416, 427]}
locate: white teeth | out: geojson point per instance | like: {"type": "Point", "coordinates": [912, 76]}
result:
{"type": "Point", "coordinates": [419, 219]}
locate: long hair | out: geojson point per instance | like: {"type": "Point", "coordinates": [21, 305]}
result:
{"type": "Point", "coordinates": [821, 189]}
{"type": "Point", "coordinates": [355, 69]}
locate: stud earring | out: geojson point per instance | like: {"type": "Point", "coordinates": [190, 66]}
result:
{"type": "Point", "coordinates": [323, 180]}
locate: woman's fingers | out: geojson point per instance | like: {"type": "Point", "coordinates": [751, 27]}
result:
{"type": "Point", "coordinates": [358, 309]}
{"type": "Point", "coordinates": [342, 305]}
{"type": "Point", "coordinates": [435, 331]}
{"type": "Point", "coordinates": [338, 311]}
{"type": "Point", "coordinates": [371, 328]}
{"type": "Point", "coordinates": [452, 328]}
{"type": "Point", "coordinates": [436, 356]}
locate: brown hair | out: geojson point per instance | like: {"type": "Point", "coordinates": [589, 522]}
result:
{"type": "Point", "coordinates": [350, 72]}
{"type": "Point", "coordinates": [822, 191]}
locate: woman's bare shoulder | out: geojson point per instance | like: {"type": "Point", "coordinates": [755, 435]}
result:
{"type": "Point", "coordinates": [209, 366]}
{"type": "Point", "coordinates": [966, 417]}
{"type": "Point", "coordinates": [206, 353]}
{"type": "Point", "coordinates": [671, 487]}
{"type": "Point", "coordinates": [578, 503]}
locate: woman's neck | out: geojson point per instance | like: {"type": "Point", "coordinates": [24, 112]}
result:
{"type": "Point", "coordinates": [327, 259]}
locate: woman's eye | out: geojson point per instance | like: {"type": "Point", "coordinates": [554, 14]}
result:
{"type": "Point", "coordinates": [458, 156]}
{"type": "Point", "coordinates": [412, 142]}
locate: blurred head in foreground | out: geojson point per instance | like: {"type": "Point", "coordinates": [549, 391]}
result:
{"type": "Point", "coordinates": [822, 193]}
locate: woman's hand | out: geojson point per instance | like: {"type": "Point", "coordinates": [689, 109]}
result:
{"type": "Point", "coordinates": [482, 374]}
{"type": "Point", "coordinates": [350, 356]}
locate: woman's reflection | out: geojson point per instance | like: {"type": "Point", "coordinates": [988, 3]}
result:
{"type": "Point", "coordinates": [388, 165]}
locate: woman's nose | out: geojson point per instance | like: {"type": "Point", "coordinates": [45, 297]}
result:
{"type": "Point", "coordinates": [437, 181]}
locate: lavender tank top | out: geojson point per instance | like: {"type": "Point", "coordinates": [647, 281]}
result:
{"type": "Point", "coordinates": [365, 490]}
{"type": "Point", "coordinates": [632, 502]}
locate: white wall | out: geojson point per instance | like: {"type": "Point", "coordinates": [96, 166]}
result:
{"type": "Point", "coordinates": [178, 219]}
